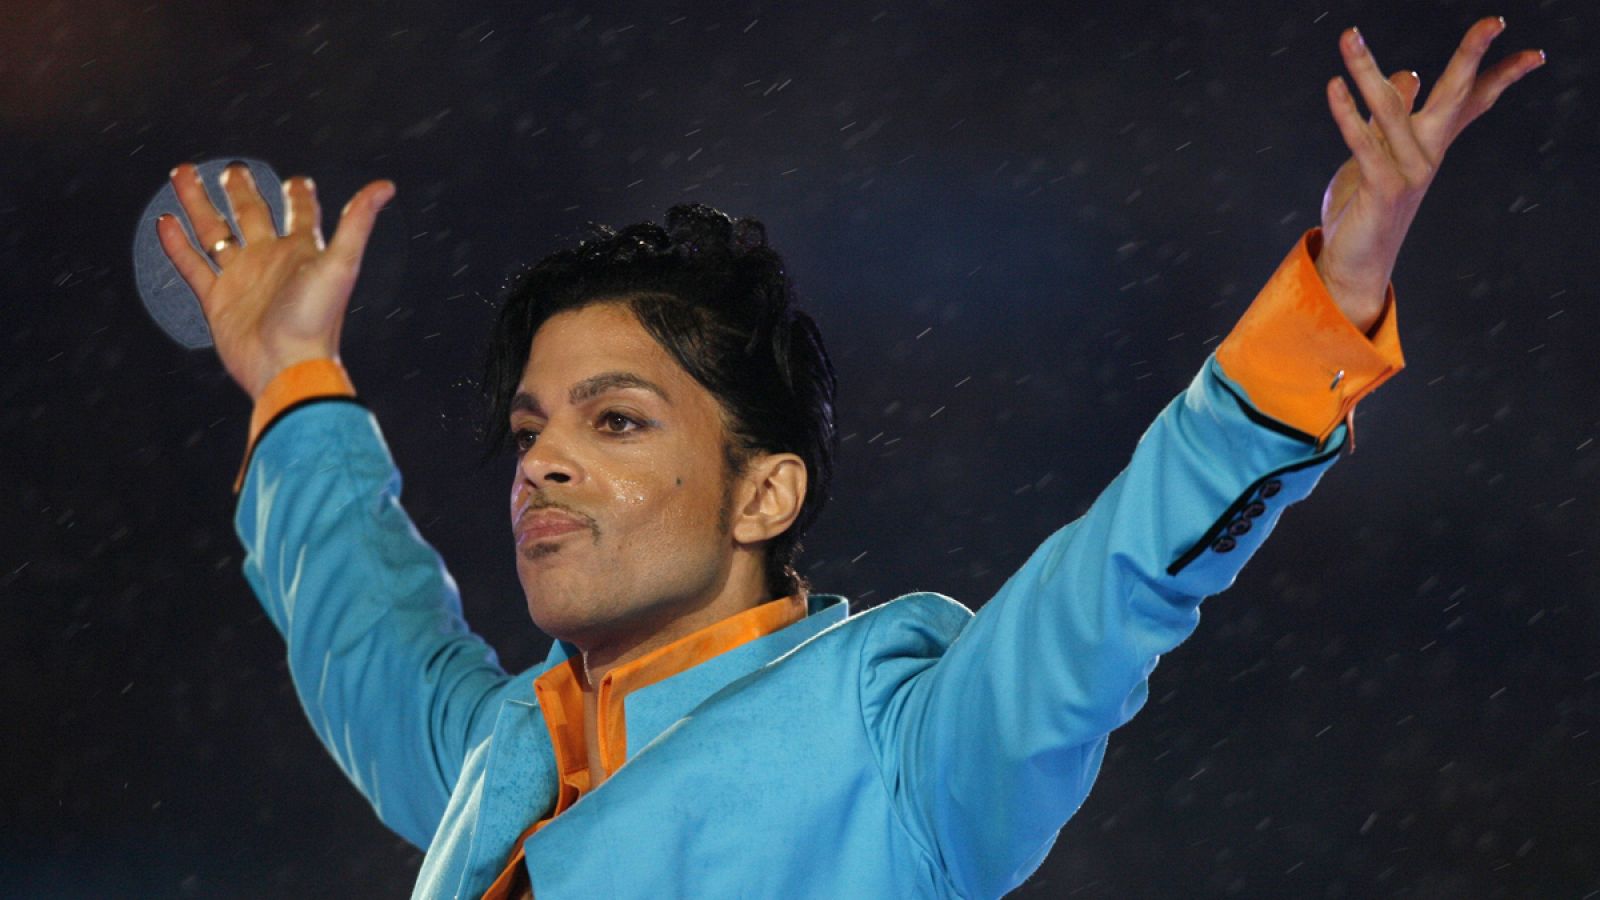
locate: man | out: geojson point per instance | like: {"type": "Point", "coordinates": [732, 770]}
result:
{"type": "Point", "coordinates": [704, 725]}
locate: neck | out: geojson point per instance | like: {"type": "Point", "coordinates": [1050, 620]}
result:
{"type": "Point", "coordinates": [743, 588]}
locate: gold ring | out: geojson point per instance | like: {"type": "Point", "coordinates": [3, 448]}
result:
{"type": "Point", "coordinates": [221, 245]}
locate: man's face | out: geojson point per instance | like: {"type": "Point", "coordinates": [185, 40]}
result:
{"type": "Point", "coordinates": [620, 491]}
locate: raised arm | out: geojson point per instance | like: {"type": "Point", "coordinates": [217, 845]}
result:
{"type": "Point", "coordinates": [990, 744]}
{"type": "Point", "coordinates": [393, 682]}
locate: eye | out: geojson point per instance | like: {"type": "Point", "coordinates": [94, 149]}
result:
{"type": "Point", "coordinates": [522, 439]}
{"type": "Point", "coordinates": [613, 422]}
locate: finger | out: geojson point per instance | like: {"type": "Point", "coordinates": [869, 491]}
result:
{"type": "Point", "coordinates": [1387, 109]}
{"type": "Point", "coordinates": [187, 260]}
{"type": "Point", "coordinates": [208, 224]}
{"type": "Point", "coordinates": [304, 214]}
{"type": "Point", "coordinates": [1407, 84]}
{"type": "Point", "coordinates": [356, 221]}
{"type": "Point", "coordinates": [1462, 70]}
{"type": "Point", "coordinates": [1377, 167]}
{"type": "Point", "coordinates": [249, 209]}
{"type": "Point", "coordinates": [1492, 83]}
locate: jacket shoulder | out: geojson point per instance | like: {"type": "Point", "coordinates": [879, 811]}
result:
{"type": "Point", "coordinates": [921, 625]}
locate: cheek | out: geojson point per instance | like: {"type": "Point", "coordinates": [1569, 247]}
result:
{"type": "Point", "coordinates": [698, 501]}
{"type": "Point", "coordinates": [670, 504]}
{"type": "Point", "coordinates": [632, 492]}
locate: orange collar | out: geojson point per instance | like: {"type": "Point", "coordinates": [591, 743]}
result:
{"type": "Point", "coordinates": [561, 695]}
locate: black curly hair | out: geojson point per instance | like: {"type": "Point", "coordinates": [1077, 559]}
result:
{"type": "Point", "coordinates": [715, 296]}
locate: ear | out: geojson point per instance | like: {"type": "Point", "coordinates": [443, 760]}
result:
{"type": "Point", "coordinates": [769, 497]}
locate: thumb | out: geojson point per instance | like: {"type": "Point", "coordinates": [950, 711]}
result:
{"type": "Point", "coordinates": [356, 221]}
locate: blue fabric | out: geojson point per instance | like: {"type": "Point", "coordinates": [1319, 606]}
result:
{"type": "Point", "coordinates": [915, 749]}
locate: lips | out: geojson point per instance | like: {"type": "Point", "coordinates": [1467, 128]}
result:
{"type": "Point", "coordinates": [547, 523]}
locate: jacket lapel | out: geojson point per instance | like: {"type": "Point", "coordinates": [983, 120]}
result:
{"type": "Point", "coordinates": [519, 778]}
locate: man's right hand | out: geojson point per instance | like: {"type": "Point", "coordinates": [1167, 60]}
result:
{"type": "Point", "coordinates": [278, 300]}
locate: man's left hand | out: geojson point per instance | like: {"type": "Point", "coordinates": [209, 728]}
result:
{"type": "Point", "coordinates": [1373, 197]}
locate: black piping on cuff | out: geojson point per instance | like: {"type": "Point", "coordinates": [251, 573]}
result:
{"type": "Point", "coordinates": [1266, 421]}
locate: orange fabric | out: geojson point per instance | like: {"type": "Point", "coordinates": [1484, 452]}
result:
{"type": "Point", "coordinates": [301, 381]}
{"type": "Point", "coordinates": [1298, 357]}
{"type": "Point", "coordinates": [560, 694]}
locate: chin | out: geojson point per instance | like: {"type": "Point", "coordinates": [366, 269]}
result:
{"type": "Point", "coordinates": [555, 623]}
{"type": "Point", "coordinates": [557, 609]}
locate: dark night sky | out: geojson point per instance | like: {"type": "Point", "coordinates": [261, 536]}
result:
{"type": "Point", "coordinates": [1032, 220]}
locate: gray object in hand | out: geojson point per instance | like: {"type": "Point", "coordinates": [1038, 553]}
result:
{"type": "Point", "coordinates": [166, 295]}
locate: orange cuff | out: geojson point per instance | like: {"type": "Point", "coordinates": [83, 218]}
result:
{"type": "Point", "coordinates": [301, 381]}
{"type": "Point", "coordinates": [1299, 359]}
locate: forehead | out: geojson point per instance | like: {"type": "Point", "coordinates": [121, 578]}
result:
{"type": "Point", "coordinates": [602, 337]}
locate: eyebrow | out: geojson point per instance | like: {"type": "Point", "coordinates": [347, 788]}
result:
{"type": "Point", "coordinates": [590, 388]}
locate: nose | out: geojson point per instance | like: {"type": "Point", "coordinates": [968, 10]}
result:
{"type": "Point", "coordinates": [549, 461]}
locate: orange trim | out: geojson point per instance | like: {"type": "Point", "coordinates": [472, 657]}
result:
{"type": "Point", "coordinates": [560, 694]}
{"type": "Point", "coordinates": [1289, 349]}
{"type": "Point", "coordinates": [301, 381]}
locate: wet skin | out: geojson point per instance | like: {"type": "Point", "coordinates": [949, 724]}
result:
{"type": "Point", "coordinates": [630, 532]}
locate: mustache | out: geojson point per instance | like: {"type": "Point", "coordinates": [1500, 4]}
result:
{"type": "Point", "coordinates": [544, 503]}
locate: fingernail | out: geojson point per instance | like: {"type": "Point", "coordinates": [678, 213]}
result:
{"type": "Point", "coordinates": [1360, 41]}
{"type": "Point", "coordinates": [173, 173]}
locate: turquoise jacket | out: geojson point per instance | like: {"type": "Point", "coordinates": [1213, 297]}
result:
{"type": "Point", "coordinates": [915, 749]}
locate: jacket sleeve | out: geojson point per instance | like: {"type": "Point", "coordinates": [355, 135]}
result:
{"type": "Point", "coordinates": [990, 744]}
{"type": "Point", "coordinates": [394, 683]}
